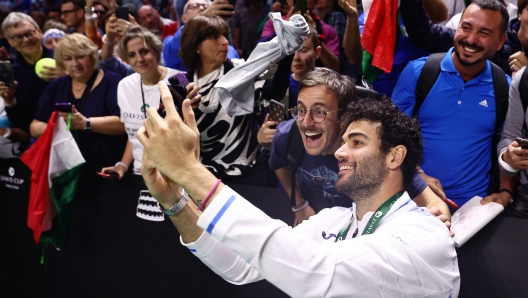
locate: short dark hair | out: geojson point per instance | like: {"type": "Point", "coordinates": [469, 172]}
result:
{"type": "Point", "coordinates": [343, 87]}
{"type": "Point", "coordinates": [494, 5]}
{"type": "Point", "coordinates": [198, 29]}
{"type": "Point", "coordinates": [77, 3]}
{"type": "Point", "coordinates": [396, 129]}
{"type": "Point", "coordinates": [521, 5]}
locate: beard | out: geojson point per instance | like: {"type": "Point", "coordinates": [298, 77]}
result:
{"type": "Point", "coordinates": [466, 63]}
{"type": "Point", "coordinates": [365, 181]}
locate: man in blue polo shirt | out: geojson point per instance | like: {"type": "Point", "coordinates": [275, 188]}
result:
{"type": "Point", "coordinates": [458, 115]}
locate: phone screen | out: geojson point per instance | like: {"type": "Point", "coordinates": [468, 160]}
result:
{"type": "Point", "coordinates": [6, 74]}
{"type": "Point", "coordinates": [122, 13]}
{"type": "Point", "coordinates": [63, 107]}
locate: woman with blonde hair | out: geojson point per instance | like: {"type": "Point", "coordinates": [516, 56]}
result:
{"type": "Point", "coordinates": [92, 94]}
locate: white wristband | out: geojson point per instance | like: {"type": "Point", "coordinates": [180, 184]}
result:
{"type": "Point", "coordinates": [105, 42]}
{"type": "Point", "coordinates": [301, 207]}
{"type": "Point", "coordinates": [122, 164]}
{"type": "Point", "coordinates": [8, 133]}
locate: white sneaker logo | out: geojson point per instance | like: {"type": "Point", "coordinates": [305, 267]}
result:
{"type": "Point", "coordinates": [484, 103]}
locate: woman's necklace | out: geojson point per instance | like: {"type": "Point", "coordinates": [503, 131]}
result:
{"type": "Point", "coordinates": [78, 90]}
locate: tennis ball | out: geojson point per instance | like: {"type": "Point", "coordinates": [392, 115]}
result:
{"type": "Point", "coordinates": [42, 62]}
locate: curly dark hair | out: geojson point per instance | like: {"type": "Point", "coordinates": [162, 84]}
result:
{"type": "Point", "coordinates": [396, 129]}
{"type": "Point", "coordinates": [198, 29]}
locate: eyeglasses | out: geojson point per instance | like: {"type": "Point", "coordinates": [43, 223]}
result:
{"type": "Point", "coordinates": [65, 12]}
{"type": "Point", "coordinates": [196, 6]}
{"type": "Point", "coordinates": [318, 114]}
{"type": "Point", "coordinates": [20, 37]}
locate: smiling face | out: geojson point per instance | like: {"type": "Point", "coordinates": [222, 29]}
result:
{"type": "Point", "coordinates": [362, 165]}
{"type": "Point", "coordinates": [213, 50]}
{"type": "Point", "coordinates": [25, 38]}
{"type": "Point", "coordinates": [478, 36]}
{"type": "Point", "coordinates": [319, 138]}
{"type": "Point", "coordinates": [141, 57]}
{"type": "Point", "coordinates": [72, 15]}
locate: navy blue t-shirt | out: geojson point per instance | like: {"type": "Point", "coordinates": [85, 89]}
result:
{"type": "Point", "coordinates": [99, 150]}
{"type": "Point", "coordinates": [30, 87]}
{"type": "Point", "coordinates": [317, 175]}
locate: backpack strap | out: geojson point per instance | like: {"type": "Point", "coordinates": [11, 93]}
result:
{"type": "Point", "coordinates": [523, 92]}
{"type": "Point", "coordinates": [427, 79]}
{"type": "Point", "coordinates": [295, 155]}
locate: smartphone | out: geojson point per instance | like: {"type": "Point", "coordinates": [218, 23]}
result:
{"type": "Point", "coordinates": [522, 142]}
{"type": "Point", "coordinates": [109, 175]}
{"type": "Point", "coordinates": [182, 78]}
{"type": "Point", "coordinates": [63, 107]}
{"type": "Point", "coordinates": [301, 5]}
{"type": "Point", "coordinates": [122, 12]}
{"type": "Point", "coordinates": [178, 93]}
{"type": "Point", "coordinates": [276, 111]}
{"type": "Point", "coordinates": [6, 74]}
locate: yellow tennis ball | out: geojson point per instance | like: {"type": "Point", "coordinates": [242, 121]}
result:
{"type": "Point", "coordinates": [42, 62]}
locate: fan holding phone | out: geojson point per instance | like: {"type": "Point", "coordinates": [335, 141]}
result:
{"type": "Point", "coordinates": [141, 49]}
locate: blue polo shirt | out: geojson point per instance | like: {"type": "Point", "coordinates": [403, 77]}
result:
{"type": "Point", "coordinates": [458, 123]}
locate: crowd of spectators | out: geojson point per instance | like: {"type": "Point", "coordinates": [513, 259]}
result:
{"type": "Point", "coordinates": [110, 57]}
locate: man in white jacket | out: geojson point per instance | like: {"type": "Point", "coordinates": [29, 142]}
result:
{"type": "Point", "coordinates": [383, 246]}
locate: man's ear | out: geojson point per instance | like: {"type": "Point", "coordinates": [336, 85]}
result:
{"type": "Point", "coordinates": [396, 156]}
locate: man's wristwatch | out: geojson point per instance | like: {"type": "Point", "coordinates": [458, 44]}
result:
{"type": "Point", "coordinates": [88, 127]}
{"type": "Point", "coordinates": [178, 206]}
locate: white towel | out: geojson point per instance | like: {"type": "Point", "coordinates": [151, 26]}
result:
{"type": "Point", "coordinates": [235, 89]}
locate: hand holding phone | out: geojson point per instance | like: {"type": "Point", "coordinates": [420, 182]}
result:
{"type": "Point", "coordinates": [6, 74]}
{"type": "Point", "coordinates": [178, 93]}
{"type": "Point", "coordinates": [122, 12]}
{"type": "Point", "coordinates": [109, 175]}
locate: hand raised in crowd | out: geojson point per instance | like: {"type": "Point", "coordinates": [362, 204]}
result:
{"type": "Point", "coordinates": [282, 8]}
{"type": "Point", "coordinates": [443, 218]}
{"type": "Point", "coordinates": [516, 156]}
{"type": "Point", "coordinates": [349, 7]}
{"type": "Point", "coordinates": [120, 170]}
{"type": "Point", "coordinates": [303, 215]}
{"type": "Point", "coordinates": [158, 136]}
{"type": "Point", "coordinates": [192, 94]}
{"type": "Point", "coordinates": [215, 9]}
{"type": "Point", "coordinates": [116, 27]}
{"type": "Point", "coordinates": [8, 93]}
{"type": "Point", "coordinates": [50, 72]}
{"type": "Point", "coordinates": [310, 21]}
{"type": "Point", "coordinates": [266, 132]}
{"type": "Point", "coordinates": [434, 184]}
{"type": "Point", "coordinates": [517, 61]}
{"type": "Point", "coordinates": [78, 121]}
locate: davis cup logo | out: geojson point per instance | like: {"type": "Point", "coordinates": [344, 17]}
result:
{"type": "Point", "coordinates": [11, 171]}
{"type": "Point", "coordinates": [378, 214]}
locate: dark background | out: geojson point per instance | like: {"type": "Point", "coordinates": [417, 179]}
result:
{"type": "Point", "coordinates": [113, 253]}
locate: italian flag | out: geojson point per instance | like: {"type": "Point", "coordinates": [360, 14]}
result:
{"type": "Point", "coordinates": [55, 161]}
{"type": "Point", "coordinates": [379, 39]}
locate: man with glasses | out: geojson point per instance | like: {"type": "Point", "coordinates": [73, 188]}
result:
{"type": "Point", "coordinates": [72, 13]}
{"type": "Point", "coordinates": [21, 100]}
{"type": "Point", "coordinates": [171, 44]}
{"type": "Point", "coordinates": [322, 100]}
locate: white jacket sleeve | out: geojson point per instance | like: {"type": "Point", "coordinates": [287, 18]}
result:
{"type": "Point", "coordinates": [413, 256]}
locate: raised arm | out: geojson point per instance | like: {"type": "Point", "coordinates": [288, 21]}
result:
{"type": "Point", "coordinates": [351, 40]}
{"type": "Point", "coordinates": [436, 10]}
{"type": "Point", "coordinates": [422, 32]}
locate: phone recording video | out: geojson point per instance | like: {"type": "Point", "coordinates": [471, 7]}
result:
{"type": "Point", "coordinates": [6, 74]}
{"type": "Point", "coordinates": [122, 12]}
{"type": "Point", "coordinates": [276, 111]}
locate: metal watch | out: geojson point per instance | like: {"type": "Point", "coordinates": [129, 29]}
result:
{"type": "Point", "coordinates": [178, 206]}
{"type": "Point", "coordinates": [88, 127]}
